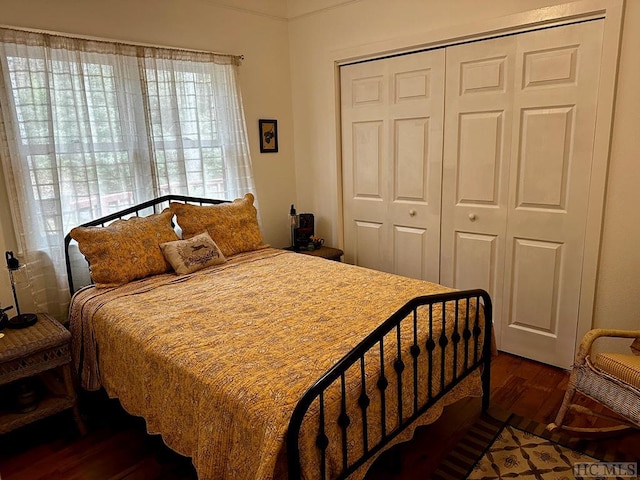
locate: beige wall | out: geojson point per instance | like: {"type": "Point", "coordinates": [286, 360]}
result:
{"type": "Point", "coordinates": [317, 40]}
{"type": "Point", "coordinates": [617, 298]}
{"type": "Point", "coordinates": [196, 24]}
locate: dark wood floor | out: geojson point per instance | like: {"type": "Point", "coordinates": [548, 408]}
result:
{"type": "Point", "coordinates": [117, 446]}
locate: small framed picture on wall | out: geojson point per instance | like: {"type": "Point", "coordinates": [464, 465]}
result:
{"type": "Point", "coordinates": [268, 136]}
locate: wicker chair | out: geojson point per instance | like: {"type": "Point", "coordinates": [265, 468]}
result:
{"type": "Point", "coordinates": [611, 379]}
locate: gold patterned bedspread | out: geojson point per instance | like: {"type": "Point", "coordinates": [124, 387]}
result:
{"type": "Point", "coordinates": [215, 361]}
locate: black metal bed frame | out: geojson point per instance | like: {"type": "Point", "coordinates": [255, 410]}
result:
{"type": "Point", "coordinates": [463, 342]}
{"type": "Point", "coordinates": [466, 330]}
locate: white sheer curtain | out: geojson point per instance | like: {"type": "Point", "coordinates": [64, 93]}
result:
{"type": "Point", "coordinates": [90, 127]}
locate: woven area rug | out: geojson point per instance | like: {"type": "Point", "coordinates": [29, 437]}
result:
{"type": "Point", "coordinates": [502, 445]}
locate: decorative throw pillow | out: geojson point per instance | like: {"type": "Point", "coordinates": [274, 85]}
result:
{"type": "Point", "coordinates": [233, 226]}
{"type": "Point", "coordinates": [188, 256]}
{"type": "Point", "coordinates": [126, 250]}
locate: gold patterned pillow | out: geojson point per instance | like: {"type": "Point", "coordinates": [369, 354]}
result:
{"type": "Point", "coordinates": [196, 253]}
{"type": "Point", "coordinates": [126, 250]}
{"type": "Point", "coordinates": [233, 226]}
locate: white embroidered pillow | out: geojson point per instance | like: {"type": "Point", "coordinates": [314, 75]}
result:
{"type": "Point", "coordinates": [193, 254]}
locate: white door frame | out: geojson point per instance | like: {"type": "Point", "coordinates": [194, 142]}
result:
{"type": "Point", "coordinates": [611, 11]}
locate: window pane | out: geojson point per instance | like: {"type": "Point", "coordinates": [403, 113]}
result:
{"type": "Point", "coordinates": [185, 133]}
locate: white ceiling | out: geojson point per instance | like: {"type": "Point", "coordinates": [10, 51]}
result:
{"type": "Point", "coordinates": [297, 8]}
{"type": "Point", "coordinates": [284, 9]}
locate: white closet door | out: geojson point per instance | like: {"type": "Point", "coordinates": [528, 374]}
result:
{"type": "Point", "coordinates": [479, 116]}
{"type": "Point", "coordinates": [555, 95]}
{"type": "Point", "coordinates": [520, 122]}
{"type": "Point", "coordinates": [392, 111]}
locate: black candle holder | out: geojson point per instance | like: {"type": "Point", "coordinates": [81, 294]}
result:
{"type": "Point", "coordinates": [21, 320]}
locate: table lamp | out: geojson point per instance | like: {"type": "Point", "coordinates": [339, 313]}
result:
{"type": "Point", "coordinates": [21, 320]}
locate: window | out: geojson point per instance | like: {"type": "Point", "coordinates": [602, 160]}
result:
{"type": "Point", "coordinates": [92, 127]}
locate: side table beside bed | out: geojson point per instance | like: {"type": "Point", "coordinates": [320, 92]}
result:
{"type": "Point", "coordinates": [40, 349]}
{"type": "Point", "coordinates": [329, 253]}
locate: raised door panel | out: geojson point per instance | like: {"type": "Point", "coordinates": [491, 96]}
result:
{"type": "Point", "coordinates": [476, 261]}
{"type": "Point", "coordinates": [543, 167]}
{"type": "Point", "coordinates": [535, 277]}
{"type": "Point", "coordinates": [367, 90]}
{"type": "Point", "coordinates": [410, 251]}
{"type": "Point", "coordinates": [369, 237]}
{"type": "Point", "coordinates": [411, 141]}
{"type": "Point", "coordinates": [367, 160]}
{"type": "Point", "coordinates": [480, 139]}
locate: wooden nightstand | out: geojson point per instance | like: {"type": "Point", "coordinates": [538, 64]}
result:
{"type": "Point", "coordinates": [42, 347]}
{"type": "Point", "coordinates": [324, 252]}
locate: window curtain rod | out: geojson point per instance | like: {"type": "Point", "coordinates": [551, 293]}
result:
{"type": "Point", "coordinates": [5, 31]}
